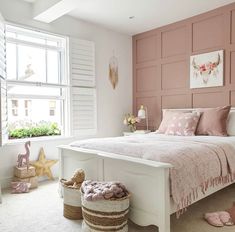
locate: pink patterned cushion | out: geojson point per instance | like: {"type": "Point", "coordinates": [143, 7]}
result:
{"type": "Point", "coordinates": [167, 117]}
{"type": "Point", "coordinates": [183, 124]}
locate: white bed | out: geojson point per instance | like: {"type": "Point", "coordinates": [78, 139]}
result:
{"type": "Point", "coordinates": [147, 180]}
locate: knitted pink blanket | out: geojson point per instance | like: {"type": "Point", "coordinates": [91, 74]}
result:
{"type": "Point", "coordinates": [198, 162]}
{"type": "Point", "coordinates": [95, 190]}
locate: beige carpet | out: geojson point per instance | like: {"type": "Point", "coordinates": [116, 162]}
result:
{"type": "Point", "coordinates": [41, 211]}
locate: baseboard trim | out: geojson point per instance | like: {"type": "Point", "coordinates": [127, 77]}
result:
{"type": "Point", "coordinates": [6, 182]}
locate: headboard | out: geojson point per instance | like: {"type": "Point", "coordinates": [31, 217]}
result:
{"type": "Point", "coordinates": [230, 122]}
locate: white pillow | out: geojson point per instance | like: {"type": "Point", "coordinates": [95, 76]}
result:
{"type": "Point", "coordinates": [231, 123]}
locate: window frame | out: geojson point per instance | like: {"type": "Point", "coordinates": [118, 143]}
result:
{"type": "Point", "coordinates": [63, 77]}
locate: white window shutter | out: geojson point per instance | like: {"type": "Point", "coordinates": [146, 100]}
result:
{"type": "Point", "coordinates": [3, 88]}
{"type": "Point", "coordinates": [82, 62]}
{"type": "Point", "coordinates": [83, 92]}
{"type": "Point", "coordinates": [83, 111]}
{"type": "Point", "coordinates": [4, 119]}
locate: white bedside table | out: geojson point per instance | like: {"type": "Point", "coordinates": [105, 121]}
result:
{"type": "Point", "coordinates": [137, 132]}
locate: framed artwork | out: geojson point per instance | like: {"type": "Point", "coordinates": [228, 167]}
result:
{"type": "Point", "coordinates": [207, 70]}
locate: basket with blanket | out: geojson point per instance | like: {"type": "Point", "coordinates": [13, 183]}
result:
{"type": "Point", "coordinates": [105, 206]}
{"type": "Point", "coordinates": [72, 195]}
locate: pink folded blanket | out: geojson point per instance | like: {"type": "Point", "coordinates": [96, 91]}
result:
{"type": "Point", "coordinates": [94, 190]}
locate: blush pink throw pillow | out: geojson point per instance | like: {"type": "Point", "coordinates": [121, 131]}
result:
{"type": "Point", "coordinates": [183, 124]}
{"type": "Point", "coordinates": [167, 117]}
{"type": "Point", "coordinates": [213, 121]}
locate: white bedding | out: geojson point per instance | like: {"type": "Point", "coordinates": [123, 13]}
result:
{"type": "Point", "coordinates": [198, 161]}
{"type": "Point", "coordinates": [226, 139]}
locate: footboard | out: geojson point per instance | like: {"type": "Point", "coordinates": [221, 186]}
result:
{"type": "Point", "coordinates": [148, 181]}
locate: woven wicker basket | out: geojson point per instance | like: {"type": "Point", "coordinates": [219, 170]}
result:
{"type": "Point", "coordinates": [72, 203]}
{"type": "Point", "coordinates": [106, 215]}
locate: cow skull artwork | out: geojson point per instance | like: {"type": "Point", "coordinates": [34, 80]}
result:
{"type": "Point", "coordinates": [207, 70]}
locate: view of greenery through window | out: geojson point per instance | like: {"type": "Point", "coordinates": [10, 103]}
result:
{"type": "Point", "coordinates": [35, 79]}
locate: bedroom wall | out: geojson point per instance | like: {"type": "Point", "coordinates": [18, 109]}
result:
{"type": "Point", "coordinates": [111, 104]}
{"type": "Point", "coordinates": [161, 60]}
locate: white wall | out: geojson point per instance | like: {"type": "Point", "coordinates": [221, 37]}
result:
{"type": "Point", "coordinates": [112, 104]}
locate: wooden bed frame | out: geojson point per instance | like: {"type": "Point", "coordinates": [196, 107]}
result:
{"type": "Point", "coordinates": [147, 180]}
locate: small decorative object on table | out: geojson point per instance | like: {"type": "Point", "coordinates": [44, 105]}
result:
{"type": "Point", "coordinates": [131, 121]}
{"type": "Point", "coordinates": [137, 132]}
{"type": "Point", "coordinates": [143, 114]}
{"type": "Point", "coordinates": [72, 195]}
{"type": "Point", "coordinates": [43, 165]}
{"type": "Point", "coordinates": [105, 206]}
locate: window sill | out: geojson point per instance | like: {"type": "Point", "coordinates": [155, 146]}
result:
{"type": "Point", "coordinates": [37, 139]}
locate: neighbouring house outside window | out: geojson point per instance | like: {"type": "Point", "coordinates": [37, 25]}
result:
{"type": "Point", "coordinates": [14, 108]}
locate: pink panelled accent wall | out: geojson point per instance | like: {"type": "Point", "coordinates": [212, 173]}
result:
{"type": "Point", "coordinates": [161, 63]}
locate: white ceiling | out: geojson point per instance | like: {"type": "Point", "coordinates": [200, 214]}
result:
{"type": "Point", "coordinates": [148, 14]}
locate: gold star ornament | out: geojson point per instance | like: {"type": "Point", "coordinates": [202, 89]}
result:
{"type": "Point", "coordinates": [43, 165]}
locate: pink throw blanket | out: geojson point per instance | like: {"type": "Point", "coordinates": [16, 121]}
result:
{"type": "Point", "coordinates": [198, 162]}
{"type": "Point", "coordinates": [95, 190]}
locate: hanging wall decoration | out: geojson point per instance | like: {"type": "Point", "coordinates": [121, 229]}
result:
{"type": "Point", "coordinates": [206, 70]}
{"type": "Point", "coordinates": [113, 71]}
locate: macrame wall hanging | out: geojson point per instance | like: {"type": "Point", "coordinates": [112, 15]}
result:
{"type": "Point", "coordinates": [113, 71]}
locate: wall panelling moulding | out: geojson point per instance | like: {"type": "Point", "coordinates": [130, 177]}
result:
{"type": "Point", "coordinates": [147, 79]}
{"type": "Point", "coordinates": [232, 67]}
{"type": "Point", "coordinates": [210, 99]}
{"type": "Point", "coordinates": [176, 101]}
{"type": "Point", "coordinates": [232, 98]}
{"type": "Point", "coordinates": [174, 42]}
{"type": "Point", "coordinates": [146, 49]}
{"type": "Point", "coordinates": [175, 75]}
{"type": "Point", "coordinates": [233, 26]}
{"type": "Point", "coordinates": [208, 33]}
{"type": "Point", "coordinates": [169, 49]}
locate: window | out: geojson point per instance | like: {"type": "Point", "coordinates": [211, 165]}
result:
{"type": "Point", "coordinates": [14, 107]}
{"type": "Point", "coordinates": [52, 108]}
{"type": "Point", "coordinates": [38, 97]}
{"type": "Point", "coordinates": [27, 107]}
{"type": "Point", "coordinates": [36, 79]}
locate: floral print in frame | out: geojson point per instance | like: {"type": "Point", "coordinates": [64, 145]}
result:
{"type": "Point", "coordinates": [206, 70]}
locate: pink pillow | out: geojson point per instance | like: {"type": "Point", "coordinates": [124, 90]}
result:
{"type": "Point", "coordinates": [167, 116]}
{"type": "Point", "coordinates": [183, 124]}
{"type": "Point", "coordinates": [213, 121]}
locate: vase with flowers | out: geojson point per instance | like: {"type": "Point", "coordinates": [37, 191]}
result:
{"type": "Point", "coordinates": [131, 121]}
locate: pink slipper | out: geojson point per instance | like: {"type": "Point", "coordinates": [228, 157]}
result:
{"type": "Point", "coordinates": [213, 219]}
{"type": "Point", "coordinates": [225, 218]}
